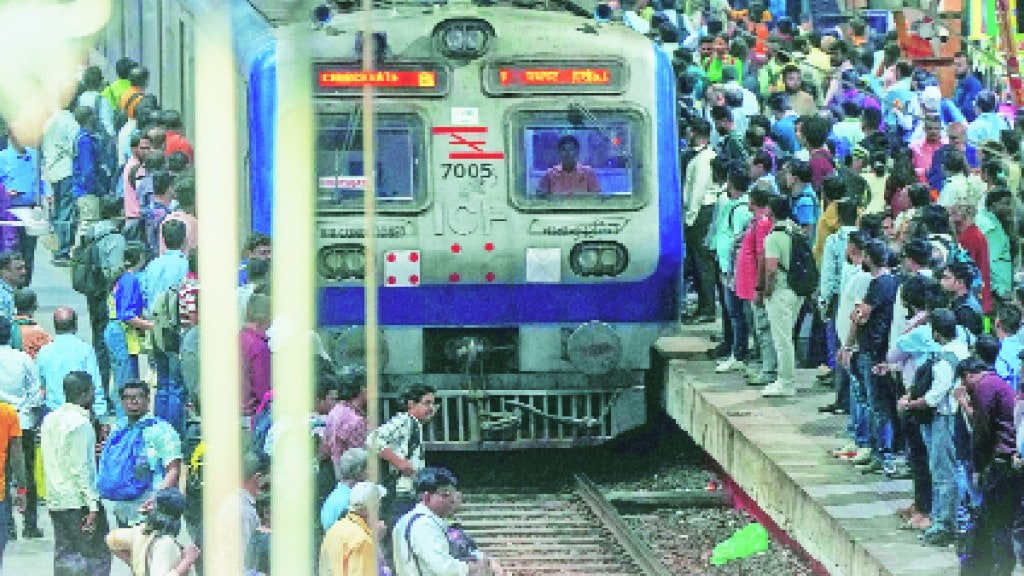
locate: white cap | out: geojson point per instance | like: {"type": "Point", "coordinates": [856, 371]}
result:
{"type": "Point", "coordinates": [366, 494]}
{"type": "Point", "coordinates": [931, 97]}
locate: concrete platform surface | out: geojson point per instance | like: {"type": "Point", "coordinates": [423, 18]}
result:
{"type": "Point", "coordinates": [778, 451]}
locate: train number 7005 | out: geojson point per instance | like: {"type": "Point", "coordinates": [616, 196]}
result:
{"type": "Point", "coordinates": [466, 170]}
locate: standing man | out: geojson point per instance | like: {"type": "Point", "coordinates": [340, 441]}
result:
{"type": "Point", "coordinates": [967, 86]}
{"type": "Point", "coordinates": [256, 384]}
{"type": "Point", "coordinates": [346, 425]}
{"type": "Point", "coordinates": [399, 442]}
{"type": "Point", "coordinates": [19, 387]}
{"type": "Point", "coordinates": [699, 200]}
{"type": "Point", "coordinates": [730, 145]}
{"type": "Point", "coordinates": [69, 463]}
{"type": "Point", "coordinates": [870, 322]}
{"type": "Point", "coordinates": [12, 276]}
{"type": "Point", "coordinates": [165, 272]}
{"type": "Point", "coordinates": [780, 302]}
{"type": "Point", "coordinates": [420, 537]}
{"type": "Point", "coordinates": [350, 546]}
{"type": "Point", "coordinates": [20, 176]}
{"type": "Point", "coordinates": [66, 354]}
{"type": "Point", "coordinates": [938, 435]}
{"type": "Point", "coordinates": [58, 147]}
{"type": "Point", "coordinates": [988, 401]}
{"type": "Point", "coordinates": [749, 262]}
{"type": "Point", "coordinates": [161, 450]}
{"type": "Point", "coordinates": [11, 458]}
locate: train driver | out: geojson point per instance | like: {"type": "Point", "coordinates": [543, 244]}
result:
{"type": "Point", "coordinates": [569, 176]}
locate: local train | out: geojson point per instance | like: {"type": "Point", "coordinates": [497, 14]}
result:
{"type": "Point", "coordinates": [529, 300]}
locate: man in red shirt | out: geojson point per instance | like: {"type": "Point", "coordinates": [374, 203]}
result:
{"type": "Point", "coordinates": [256, 384]}
{"type": "Point", "coordinates": [750, 283]}
{"type": "Point", "coordinates": [815, 131]}
{"type": "Point", "coordinates": [972, 239]}
{"type": "Point", "coordinates": [924, 150]}
{"type": "Point", "coordinates": [175, 140]}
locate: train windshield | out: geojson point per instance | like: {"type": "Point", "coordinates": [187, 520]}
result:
{"type": "Point", "coordinates": [578, 157]}
{"type": "Point", "coordinates": [341, 170]}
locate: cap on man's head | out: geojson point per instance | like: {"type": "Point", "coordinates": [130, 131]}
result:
{"type": "Point", "coordinates": [366, 494]}
{"type": "Point", "coordinates": [430, 479]}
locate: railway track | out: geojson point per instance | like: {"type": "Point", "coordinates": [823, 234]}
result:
{"type": "Point", "coordinates": [577, 533]}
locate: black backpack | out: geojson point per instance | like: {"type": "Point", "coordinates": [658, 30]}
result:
{"type": "Point", "coordinates": [923, 382]}
{"type": "Point", "coordinates": [86, 273]}
{"type": "Point", "coordinates": [802, 274]}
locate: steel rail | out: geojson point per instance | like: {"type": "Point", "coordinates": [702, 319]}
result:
{"type": "Point", "coordinates": [640, 552]}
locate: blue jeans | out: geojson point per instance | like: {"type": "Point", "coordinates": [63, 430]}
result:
{"type": "Point", "coordinates": [938, 437]}
{"type": "Point", "coordinates": [860, 412]}
{"type": "Point", "coordinates": [875, 393]}
{"type": "Point", "coordinates": [65, 215]}
{"type": "Point", "coordinates": [734, 307]}
{"type": "Point", "coordinates": [170, 390]}
{"type": "Point", "coordinates": [123, 366]}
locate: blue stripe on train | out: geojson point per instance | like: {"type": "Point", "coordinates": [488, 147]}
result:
{"type": "Point", "coordinates": [653, 299]}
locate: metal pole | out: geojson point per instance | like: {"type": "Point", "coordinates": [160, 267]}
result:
{"type": "Point", "coordinates": [294, 297]}
{"type": "Point", "coordinates": [373, 404]}
{"type": "Point", "coordinates": [217, 203]}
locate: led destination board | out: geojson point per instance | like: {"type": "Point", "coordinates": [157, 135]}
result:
{"type": "Point", "coordinates": [604, 76]}
{"type": "Point", "coordinates": [377, 79]}
{"type": "Point", "coordinates": [554, 76]}
{"type": "Point", "coordinates": [404, 79]}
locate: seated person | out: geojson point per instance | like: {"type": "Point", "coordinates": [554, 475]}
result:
{"type": "Point", "coordinates": [569, 177]}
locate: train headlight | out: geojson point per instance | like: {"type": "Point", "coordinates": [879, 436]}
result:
{"type": "Point", "coordinates": [341, 262]}
{"type": "Point", "coordinates": [594, 258]}
{"type": "Point", "coordinates": [463, 38]}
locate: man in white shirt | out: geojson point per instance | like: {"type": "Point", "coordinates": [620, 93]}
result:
{"type": "Point", "coordinates": [69, 464]}
{"type": "Point", "coordinates": [19, 379]}
{"type": "Point", "coordinates": [420, 540]}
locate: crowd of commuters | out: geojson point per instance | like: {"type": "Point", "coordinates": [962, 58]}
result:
{"type": "Point", "coordinates": [113, 416]}
{"type": "Point", "coordinates": [907, 198]}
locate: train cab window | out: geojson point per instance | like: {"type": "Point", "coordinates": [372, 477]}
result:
{"type": "Point", "coordinates": [577, 159]}
{"type": "Point", "coordinates": [341, 170]}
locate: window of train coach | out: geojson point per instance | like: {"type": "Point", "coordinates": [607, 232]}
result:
{"type": "Point", "coordinates": [340, 167]}
{"type": "Point", "coordinates": [564, 162]}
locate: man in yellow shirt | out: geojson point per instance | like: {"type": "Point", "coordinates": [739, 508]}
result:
{"type": "Point", "coordinates": [350, 546]}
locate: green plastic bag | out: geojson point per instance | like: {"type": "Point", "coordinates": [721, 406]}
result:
{"type": "Point", "coordinates": [747, 541]}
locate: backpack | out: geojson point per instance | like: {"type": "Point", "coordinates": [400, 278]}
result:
{"type": "Point", "coordinates": [923, 382]}
{"type": "Point", "coordinates": [166, 321]}
{"type": "Point", "coordinates": [16, 336]}
{"type": "Point", "coordinates": [460, 545]}
{"type": "Point", "coordinates": [121, 114]}
{"type": "Point", "coordinates": [802, 274]}
{"type": "Point", "coordinates": [106, 153]}
{"type": "Point", "coordinates": [104, 160]}
{"type": "Point", "coordinates": [86, 273]}
{"type": "Point", "coordinates": [123, 472]}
